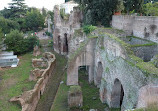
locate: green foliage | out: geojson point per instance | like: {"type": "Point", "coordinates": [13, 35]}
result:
{"type": "Point", "coordinates": [16, 42]}
{"type": "Point", "coordinates": [150, 9]}
{"type": "Point", "coordinates": [136, 5]}
{"type": "Point", "coordinates": [1, 35]}
{"type": "Point", "coordinates": [75, 89]}
{"type": "Point", "coordinates": [51, 14]}
{"type": "Point", "coordinates": [63, 14]}
{"type": "Point", "coordinates": [34, 20]}
{"type": "Point", "coordinates": [98, 12]}
{"type": "Point", "coordinates": [7, 25]}
{"type": "Point", "coordinates": [88, 29]}
{"type": "Point", "coordinates": [17, 9]}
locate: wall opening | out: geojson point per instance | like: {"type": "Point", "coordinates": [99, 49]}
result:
{"type": "Point", "coordinates": [65, 46]}
{"type": "Point", "coordinates": [103, 95]}
{"type": "Point", "coordinates": [117, 94]}
{"type": "Point", "coordinates": [99, 73]}
{"type": "Point", "coordinates": [59, 44]}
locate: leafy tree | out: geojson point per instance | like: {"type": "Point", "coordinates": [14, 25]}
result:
{"type": "Point", "coordinates": [17, 8]}
{"type": "Point", "coordinates": [67, 1]}
{"type": "Point", "coordinates": [98, 11]}
{"type": "Point", "coordinates": [7, 25]}
{"type": "Point", "coordinates": [150, 9]}
{"type": "Point", "coordinates": [1, 35]}
{"type": "Point", "coordinates": [51, 14]}
{"type": "Point", "coordinates": [44, 12]}
{"type": "Point", "coordinates": [16, 42]}
{"type": "Point", "coordinates": [34, 20]}
{"type": "Point", "coordinates": [131, 5]}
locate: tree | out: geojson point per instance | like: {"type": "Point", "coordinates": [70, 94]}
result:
{"type": "Point", "coordinates": [150, 9]}
{"type": "Point", "coordinates": [34, 20]}
{"type": "Point", "coordinates": [44, 12]}
{"type": "Point", "coordinates": [136, 5]}
{"type": "Point", "coordinates": [16, 42]}
{"type": "Point", "coordinates": [17, 8]}
{"type": "Point", "coordinates": [98, 11]}
{"type": "Point", "coordinates": [7, 25]}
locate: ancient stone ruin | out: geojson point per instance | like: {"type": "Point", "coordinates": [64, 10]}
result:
{"type": "Point", "coordinates": [29, 99]}
{"type": "Point", "coordinates": [121, 66]}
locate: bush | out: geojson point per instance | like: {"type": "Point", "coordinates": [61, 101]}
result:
{"type": "Point", "coordinates": [88, 29]}
{"type": "Point", "coordinates": [16, 42]}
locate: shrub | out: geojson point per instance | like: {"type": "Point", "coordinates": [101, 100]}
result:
{"type": "Point", "coordinates": [88, 29]}
{"type": "Point", "coordinates": [16, 42]}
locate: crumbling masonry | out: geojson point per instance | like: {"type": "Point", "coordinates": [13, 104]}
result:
{"type": "Point", "coordinates": [123, 67]}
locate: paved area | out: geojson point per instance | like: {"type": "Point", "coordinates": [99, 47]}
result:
{"type": "Point", "coordinates": [42, 34]}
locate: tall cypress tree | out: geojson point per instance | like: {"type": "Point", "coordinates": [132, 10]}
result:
{"type": "Point", "coordinates": [17, 8]}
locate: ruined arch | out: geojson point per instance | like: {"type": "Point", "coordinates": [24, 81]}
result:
{"type": "Point", "coordinates": [59, 44]}
{"type": "Point", "coordinates": [117, 94]}
{"type": "Point", "coordinates": [65, 44]}
{"type": "Point", "coordinates": [99, 73]}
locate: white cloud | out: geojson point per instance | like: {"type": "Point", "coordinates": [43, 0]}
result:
{"type": "Point", "coordinates": [49, 4]}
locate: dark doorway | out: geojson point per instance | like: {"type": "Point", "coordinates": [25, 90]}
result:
{"type": "Point", "coordinates": [59, 44]}
{"type": "Point", "coordinates": [117, 94]}
{"type": "Point", "coordinates": [99, 73]}
{"type": "Point", "coordinates": [65, 46]}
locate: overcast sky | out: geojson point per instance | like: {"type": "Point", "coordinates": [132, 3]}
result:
{"type": "Point", "coordinates": [49, 4]}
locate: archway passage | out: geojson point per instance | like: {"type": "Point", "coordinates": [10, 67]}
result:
{"type": "Point", "coordinates": [65, 46]}
{"type": "Point", "coordinates": [117, 94]}
{"type": "Point", "coordinates": [59, 44]}
{"type": "Point", "coordinates": [99, 73]}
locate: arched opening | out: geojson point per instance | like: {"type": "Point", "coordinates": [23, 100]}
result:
{"type": "Point", "coordinates": [65, 46]}
{"type": "Point", "coordinates": [99, 73]}
{"type": "Point", "coordinates": [59, 44]}
{"type": "Point", "coordinates": [117, 94]}
{"type": "Point", "coordinates": [103, 94]}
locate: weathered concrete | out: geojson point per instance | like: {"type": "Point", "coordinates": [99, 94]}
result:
{"type": "Point", "coordinates": [141, 26]}
{"type": "Point", "coordinates": [29, 99]}
{"type": "Point", "coordinates": [121, 77]}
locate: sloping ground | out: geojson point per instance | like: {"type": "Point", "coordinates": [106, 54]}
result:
{"type": "Point", "coordinates": [51, 89]}
{"type": "Point", "coordinates": [14, 82]}
{"type": "Point", "coordinates": [60, 101]}
{"type": "Point", "coordinates": [47, 99]}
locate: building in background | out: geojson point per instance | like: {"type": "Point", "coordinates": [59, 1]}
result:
{"type": "Point", "coordinates": [68, 6]}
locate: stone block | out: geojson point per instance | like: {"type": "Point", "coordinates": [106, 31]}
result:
{"type": "Point", "coordinates": [75, 98]}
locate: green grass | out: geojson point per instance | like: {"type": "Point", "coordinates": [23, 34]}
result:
{"type": "Point", "coordinates": [89, 92]}
{"type": "Point", "coordinates": [60, 102]}
{"type": "Point", "coordinates": [15, 82]}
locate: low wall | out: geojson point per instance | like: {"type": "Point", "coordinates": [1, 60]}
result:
{"type": "Point", "coordinates": [141, 26]}
{"type": "Point", "coordinates": [29, 99]}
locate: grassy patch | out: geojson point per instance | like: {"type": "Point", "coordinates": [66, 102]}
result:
{"type": "Point", "coordinates": [15, 82]}
{"type": "Point", "coordinates": [60, 102]}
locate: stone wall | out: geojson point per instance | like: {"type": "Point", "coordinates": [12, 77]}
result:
{"type": "Point", "coordinates": [118, 73]}
{"type": "Point", "coordinates": [64, 29]}
{"type": "Point", "coordinates": [141, 26]}
{"type": "Point", "coordinates": [29, 99]}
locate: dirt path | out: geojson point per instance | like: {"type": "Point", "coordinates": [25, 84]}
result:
{"type": "Point", "coordinates": [47, 99]}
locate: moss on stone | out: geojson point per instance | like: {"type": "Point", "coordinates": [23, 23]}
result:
{"type": "Point", "coordinates": [141, 45]}
{"type": "Point", "coordinates": [135, 58]}
{"type": "Point", "coordinates": [78, 32]}
{"type": "Point", "coordinates": [148, 68]}
{"type": "Point", "coordinates": [75, 89]}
